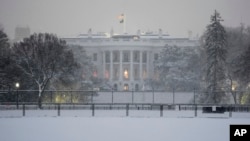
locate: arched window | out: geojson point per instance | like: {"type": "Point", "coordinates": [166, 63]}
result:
{"type": "Point", "coordinates": [136, 87]}
{"type": "Point", "coordinates": [125, 87]}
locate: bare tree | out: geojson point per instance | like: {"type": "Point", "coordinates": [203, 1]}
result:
{"type": "Point", "coordinates": [43, 57]}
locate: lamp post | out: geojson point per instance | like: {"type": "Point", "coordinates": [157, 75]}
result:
{"type": "Point", "coordinates": [17, 95]}
{"type": "Point", "coordinates": [234, 94]}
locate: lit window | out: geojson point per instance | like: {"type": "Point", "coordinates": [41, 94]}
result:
{"type": "Point", "coordinates": [125, 73]}
{"type": "Point", "coordinates": [95, 73]}
{"type": "Point", "coordinates": [125, 87]}
{"type": "Point", "coordinates": [107, 74]}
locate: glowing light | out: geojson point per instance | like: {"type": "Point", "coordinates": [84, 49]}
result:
{"type": "Point", "coordinates": [125, 73]}
{"type": "Point", "coordinates": [17, 85]}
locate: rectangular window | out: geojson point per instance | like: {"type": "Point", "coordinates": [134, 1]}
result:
{"type": "Point", "coordinates": [107, 72]}
{"type": "Point", "coordinates": [116, 56]}
{"type": "Point", "coordinates": [136, 56]}
{"type": "Point", "coordinates": [125, 56]}
{"type": "Point", "coordinates": [144, 57]}
{"type": "Point", "coordinates": [107, 57]}
{"type": "Point", "coordinates": [136, 73]}
{"type": "Point", "coordinates": [126, 74]}
{"type": "Point", "coordinates": [116, 73]}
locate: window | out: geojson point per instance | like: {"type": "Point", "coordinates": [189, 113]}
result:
{"type": "Point", "coordinates": [125, 87]}
{"type": "Point", "coordinates": [107, 57]}
{"type": "Point", "coordinates": [144, 57]}
{"type": "Point", "coordinates": [144, 74]}
{"type": "Point", "coordinates": [136, 56]}
{"type": "Point", "coordinates": [126, 56]}
{"type": "Point", "coordinates": [136, 87]}
{"type": "Point", "coordinates": [106, 74]}
{"type": "Point", "coordinates": [95, 73]}
{"type": "Point", "coordinates": [116, 73]}
{"type": "Point", "coordinates": [107, 71]}
{"type": "Point", "coordinates": [136, 73]}
{"type": "Point", "coordinates": [116, 56]}
{"type": "Point", "coordinates": [126, 74]}
{"type": "Point", "coordinates": [95, 57]}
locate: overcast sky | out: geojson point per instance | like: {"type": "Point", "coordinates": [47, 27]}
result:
{"type": "Point", "coordinates": [71, 17]}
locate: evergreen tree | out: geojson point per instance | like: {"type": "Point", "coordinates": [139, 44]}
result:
{"type": "Point", "coordinates": [215, 48]}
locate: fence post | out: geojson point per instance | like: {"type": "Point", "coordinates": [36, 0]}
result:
{"type": "Point", "coordinates": [173, 96]}
{"type": "Point", "coordinates": [127, 109]}
{"type": "Point", "coordinates": [23, 109]}
{"type": "Point", "coordinates": [71, 97]}
{"type": "Point", "coordinates": [161, 110]}
{"type": "Point", "coordinates": [92, 96]}
{"type": "Point", "coordinates": [112, 96]}
{"type": "Point", "coordinates": [17, 100]}
{"type": "Point", "coordinates": [50, 96]}
{"type": "Point", "coordinates": [195, 110]}
{"type": "Point", "coordinates": [93, 110]}
{"type": "Point", "coordinates": [194, 95]}
{"type": "Point", "coordinates": [58, 110]}
{"type": "Point", "coordinates": [153, 96]}
{"type": "Point", "coordinates": [132, 96]}
{"type": "Point", "coordinates": [230, 111]}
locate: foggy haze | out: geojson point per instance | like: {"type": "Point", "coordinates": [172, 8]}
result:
{"type": "Point", "coordinates": [69, 18]}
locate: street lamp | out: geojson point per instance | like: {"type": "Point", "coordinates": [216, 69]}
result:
{"type": "Point", "coordinates": [234, 93]}
{"type": "Point", "coordinates": [17, 97]}
{"type": "Point", "coordinates": [17, 85]}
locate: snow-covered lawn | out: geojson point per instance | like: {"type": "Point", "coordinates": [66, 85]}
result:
{"type": "Point", "coordinates": [116, 129]}
{"type": "Point", "coordinates": [114, 125]}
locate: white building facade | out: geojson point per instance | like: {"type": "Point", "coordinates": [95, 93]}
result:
{"type": "Point", "coordinates": [126, 61]}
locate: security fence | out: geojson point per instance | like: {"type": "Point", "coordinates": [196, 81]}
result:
{"type": "Point", "coordinates": [123, 109]}
{"type": "Point", "coordinates": [131, 97]}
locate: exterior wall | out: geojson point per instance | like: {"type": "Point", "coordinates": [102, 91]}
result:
{"type": "Point", "coordinates": [125, 64]}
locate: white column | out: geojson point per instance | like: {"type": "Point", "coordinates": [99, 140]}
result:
{"type": "Point", "coordinates": [148, 71]}
{"type": "Point", "coordinates": [140, 69]}
{"type": "Point", "coordinates": [131, 68]}
{"type": "Point", "coordinates": [121, 74]}
{"type": "Point", "coordinates": [111, 66]}
{"type": "Point", "coordinates": [103, 63]}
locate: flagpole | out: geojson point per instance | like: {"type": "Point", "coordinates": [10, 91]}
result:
{"type": "Point", "coordinates": [124, 24]}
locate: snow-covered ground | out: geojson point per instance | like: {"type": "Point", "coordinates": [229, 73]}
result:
{"type": "Point", "coordinates": [115, 125]}
{"type": "Point", "coordinates": [116, 129]}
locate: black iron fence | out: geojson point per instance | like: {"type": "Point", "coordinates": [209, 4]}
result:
{"type": "Point", "coordinates": [132, 97]}
{"type": "Point", "coordinates": [125, 108]}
